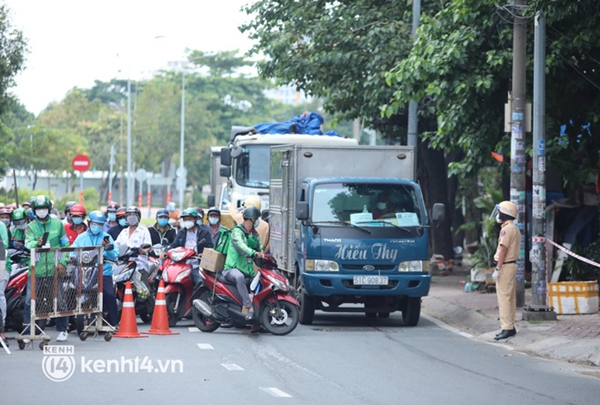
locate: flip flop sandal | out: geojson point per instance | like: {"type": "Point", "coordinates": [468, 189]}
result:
{"type": "Point", "coordinates": [250, 316]}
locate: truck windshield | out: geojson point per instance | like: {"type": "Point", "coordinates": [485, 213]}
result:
{"type": "Point", "coordinates": [252, 166]}
{"type": "Point", "coordinates": [366, 205]}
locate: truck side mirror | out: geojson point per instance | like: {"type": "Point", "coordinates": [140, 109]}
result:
{"type": "Point", "coordinates": [438, 214]}
{"type": "Point", "coordinates": [302, 210]}
{"type": "Point", "coordinates": [225, 157]}
{"type": "Point", "coordinates": [210, 200]}
{"type": "Point", "coordinates": [224, 171]}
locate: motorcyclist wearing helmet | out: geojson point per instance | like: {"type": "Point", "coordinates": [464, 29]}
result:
{"type": "Point", "coordinates": [95, 236]}
{"type": "Point", "coordinates": [173, 215]}
{"type": "Point", "coordinates": [507, 253]}
{"type": "Point", "coordinates": [192, 236]}
{"type": "Point", "coordinates": [245, 245]}
{"type": "Point", "coordinates": [161, 228]}
{"type": "Point", "coordinates": [77, 227]}
{"type": "Point", "coordinates": [214, 224]}
{"type": "Point", "coordinates": [67, 218]}
{"type": "Point", "coordinates": [20, 219]}
{"type": "Point", "coordinates": [6, 218]}
{"type": "Point", "coordinates": [44, 268]}
{"type": "Point", "coordinates": [111, 215]}
{"type": "Point", "coordinates": [136, 235]}
{"type": "Point", "coordinates": [262, 228]}
{"type": "Point", "coordinates": [5, 262]}
{"type": "Point", "coordinates": [116, 230]}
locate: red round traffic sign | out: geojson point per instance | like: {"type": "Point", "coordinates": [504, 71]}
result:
{"type": "Point", "coordinates": [81, 163]}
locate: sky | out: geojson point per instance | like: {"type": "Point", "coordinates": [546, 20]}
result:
{"type": "Point", "coordinates": [72, 43]}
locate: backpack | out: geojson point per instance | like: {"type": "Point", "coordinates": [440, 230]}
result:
{"type": "Point", "coordinates": [224, 240]}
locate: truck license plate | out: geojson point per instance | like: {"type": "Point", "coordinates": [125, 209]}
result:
{"type": "Point", "coordinates": [370, 280]}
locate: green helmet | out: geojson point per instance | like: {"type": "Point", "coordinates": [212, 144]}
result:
{"type": "Point", "coordinates": [40, 201]}
{"type": "Point", "coordinates": [19, 214]}
{"type": "Point", "coordinates": [190, 212]}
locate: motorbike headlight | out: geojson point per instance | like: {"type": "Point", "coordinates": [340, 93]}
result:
{"type": "Point", "coordinates": [123, 276]}
{"type": "Point", "coordinates": [278, 284]}
{"type": "Point", "coordinates": [177, 256]}
{"type": "Point", "coordinates": [412, 266]}
{"type": "Point", "coordinates": [321, 265]}
{"type": "Point", "coordinates": [183, 275]}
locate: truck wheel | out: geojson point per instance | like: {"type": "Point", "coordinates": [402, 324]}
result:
{"type": "Point", "coordinates": [307, 304]}
{"type": "Point", "coordinates": [412, 311]}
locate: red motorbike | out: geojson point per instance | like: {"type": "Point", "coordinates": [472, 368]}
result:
{"type": "Point", "coordinates": [15, 290]}
{"type": "Point", "coordinates": [219, 301]}
{"type": "Point", "coordinates": [177, 276]}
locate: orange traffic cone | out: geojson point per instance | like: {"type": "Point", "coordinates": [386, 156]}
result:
{"type": "Point", "coordinates": [128, 325]}
{"type": "Point", "coordinates": [160, 318]}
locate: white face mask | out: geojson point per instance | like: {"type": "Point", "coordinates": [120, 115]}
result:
{"type": "Point", "coordinates": [213, 220]}
{"type": "Point", "coordinates": [6, 221]}
{"type": "Point", "coordinates": [498, 219]}
{"type": "Point", "coordinates": [41, 213]}
{"type": "Point", "coordinates": [188, 224]}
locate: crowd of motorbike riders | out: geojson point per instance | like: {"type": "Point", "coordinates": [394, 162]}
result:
{"type": "Point", "coordinates": [38, 224]}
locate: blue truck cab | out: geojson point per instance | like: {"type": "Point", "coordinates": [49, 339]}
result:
{"type": "Point", "coordinates": [356, 241]}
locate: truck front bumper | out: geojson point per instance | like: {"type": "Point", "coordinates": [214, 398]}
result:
{"type": "Point", "coordinates": [328, 284]}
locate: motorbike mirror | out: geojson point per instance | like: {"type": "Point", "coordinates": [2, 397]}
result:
{"type": "Point", "coordinates": [164, 242]}
{"type": "Point", "coordinates": [145, 246]}
{"type": "Point", "coordinates": [122, 249]}
{"type": "Point", "coordinates": [109, 246]}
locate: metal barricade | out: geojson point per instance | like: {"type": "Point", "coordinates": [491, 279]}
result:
{"type": "Point", "coordinates": [66, 282]}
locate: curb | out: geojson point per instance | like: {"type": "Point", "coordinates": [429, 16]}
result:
{"type": "Point", "coordinates": [532, 338]}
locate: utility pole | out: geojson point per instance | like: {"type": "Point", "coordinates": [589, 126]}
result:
{"type": "Point", "coordinates": [538, 310]}
{"type": "Point", "coordinates": [517, 144]}
{"type": "Point", "coordinates": [413, 105]}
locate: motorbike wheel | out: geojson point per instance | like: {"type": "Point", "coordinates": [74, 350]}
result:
{"type": "Point", "coordinates": [174, 314]}
{"type": "Point", "coordinates": [201, 322]}
{"type": "Point", "coordinates": [280, 322]}
{"type": "Point", "coordinates": [145, 316]}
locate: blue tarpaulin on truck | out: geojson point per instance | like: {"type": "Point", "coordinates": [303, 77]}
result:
{"type": "Point", "coordinates": [307, 123]}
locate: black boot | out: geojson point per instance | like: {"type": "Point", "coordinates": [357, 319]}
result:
{"type": "Point", "coordinates": [505, 334]}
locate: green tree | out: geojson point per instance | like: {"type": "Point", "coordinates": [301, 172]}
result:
{"type": "Point", "coordinates": [13, 48]}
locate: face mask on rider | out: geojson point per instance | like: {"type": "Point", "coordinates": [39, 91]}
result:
{"type": "Point", "coordinates": [188, 224]}
{"type": "Point", "coordinates": [213, 220]}
{"type": "Point", "coordinates": [122, 221]}
{"type": "Point", "coordinates": [256, 223]}
{"type": "Point", "coordinates": [498, 218]}
{"type": "Point", "coordinates": [162, 221]}
{"type": "Point", "coordinates": [132, 220]}
{"type": "Point", "coordinates": [22, 226]}
{"type": "Point", "coordinates": [95, 229]}
{"type": "Point", "coordinates": [6, 221]}
{"type": "Point", "coordinates": [77, 220]}
{"type": "Point", "coordinates": [41, 213]}
{"type": "Point", "coordinates": [112, 217]}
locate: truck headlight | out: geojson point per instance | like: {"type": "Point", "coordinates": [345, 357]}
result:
{"type": "Point", "coordinates": [414, 265]}
{"type": "Point", "coordinates": [321, 265]}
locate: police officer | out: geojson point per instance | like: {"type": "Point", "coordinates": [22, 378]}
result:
{"type": "Point", "coordinates": [507, 253]}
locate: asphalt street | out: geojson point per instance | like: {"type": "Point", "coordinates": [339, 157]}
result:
{"type": "Point", "coordinates": [341, 358]}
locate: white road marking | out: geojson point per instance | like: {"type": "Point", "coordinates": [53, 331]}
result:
{"type": "Point", "coordinates": [232, 367]}
{"type": "Point", "coordinates": [193, 329]}
{"type": "Point", "coordinates": [205, 346]}
{"type": "Point", "coordinates": [447, 327]}
{"type": "Point", "coordinates": [276, 392]}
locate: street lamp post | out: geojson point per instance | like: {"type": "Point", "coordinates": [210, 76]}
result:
{"type": "Point", "coordinates": [129, 173]}
{"type": "Point", "coordinates": [182, 171]}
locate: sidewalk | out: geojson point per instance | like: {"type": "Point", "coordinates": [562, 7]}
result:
{"type": "Point", "coordinates": [573, 338]}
